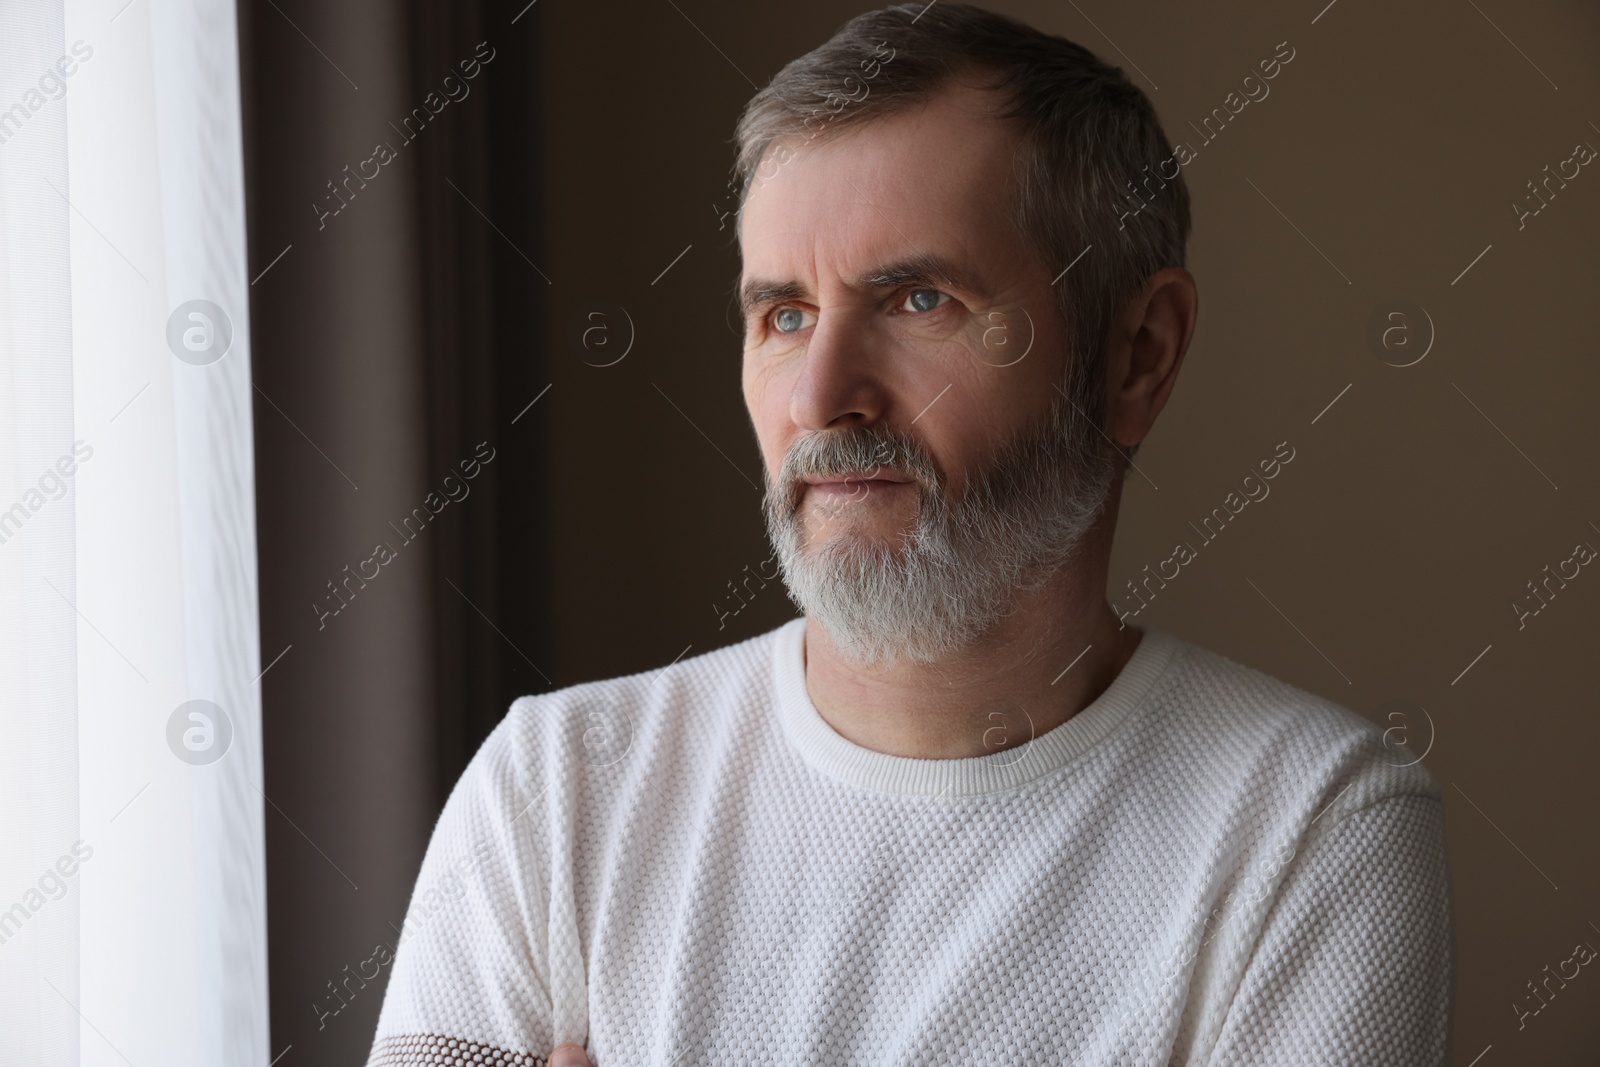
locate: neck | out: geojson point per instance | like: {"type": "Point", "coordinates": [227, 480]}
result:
{"type": "Point", "coordinates": [1049, 660]}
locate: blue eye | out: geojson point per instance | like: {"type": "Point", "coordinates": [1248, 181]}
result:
{"type": "Point", "coordinates": [788, 320]}
{"type": "Point", "coordinates": [926, 299]}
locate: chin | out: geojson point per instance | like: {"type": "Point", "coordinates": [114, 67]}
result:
{"type": "Point", "coordinates": [856, 543]}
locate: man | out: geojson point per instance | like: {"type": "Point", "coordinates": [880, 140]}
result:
{"type": "Point", "coordinates": [960, 812]}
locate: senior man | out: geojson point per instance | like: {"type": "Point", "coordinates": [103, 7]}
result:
{"type": "Point", "coordinates": [960, 811]}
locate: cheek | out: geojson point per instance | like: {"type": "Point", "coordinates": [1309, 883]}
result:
{"type": "Point", "coordinates": [958, 430]}
{"type": "Point", "coordinates": [983, 406]}
{"type": "Point", "coordinates": [766, 398]}
{"type": "Point", "coordinates": [982, 353]}
{"type": "Point", "coordinates": [1019, 359]}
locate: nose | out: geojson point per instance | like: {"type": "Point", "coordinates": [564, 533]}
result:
{"type": "Point", "coordinates": [839, 384]}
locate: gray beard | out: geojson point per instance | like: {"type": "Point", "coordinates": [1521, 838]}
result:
{"type": "Point", "coordinates": [959, 571]}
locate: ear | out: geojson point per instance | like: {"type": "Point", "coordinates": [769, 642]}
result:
{"type": "Point", "coordinates": [1145, 350]}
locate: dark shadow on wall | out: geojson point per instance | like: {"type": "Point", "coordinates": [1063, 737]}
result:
{"type": "Point", "coordinates": [394, 171]}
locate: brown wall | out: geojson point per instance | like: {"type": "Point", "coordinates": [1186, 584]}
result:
{"type": "Point", "coordinates": [1416, 508]}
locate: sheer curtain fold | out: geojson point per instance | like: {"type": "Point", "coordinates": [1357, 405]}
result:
{"type": "Point", "coordinates": [132, 877]}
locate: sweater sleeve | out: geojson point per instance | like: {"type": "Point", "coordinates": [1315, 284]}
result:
{"type": "Point", "coordinates": [471, 977]}
{"type": "Point", "coordinates": [1356, 962]}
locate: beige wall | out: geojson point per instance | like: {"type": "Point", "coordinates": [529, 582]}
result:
{"type": "Point", "coordinates": [1416, 507]}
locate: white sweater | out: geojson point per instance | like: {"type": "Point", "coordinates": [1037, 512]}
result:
{"type": "Point", "coordinates": [1205, 865]}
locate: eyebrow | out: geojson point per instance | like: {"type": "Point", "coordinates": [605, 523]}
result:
{"type": "Point", "coordinates": [919, 269]}
{"type": "Point", "coordinates": [922, 268]}
{"type": "Point", "coordinates": [759, 293]}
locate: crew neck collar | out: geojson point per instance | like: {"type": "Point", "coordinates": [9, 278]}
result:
{"type": "Point", "coordinates": [833, 754]}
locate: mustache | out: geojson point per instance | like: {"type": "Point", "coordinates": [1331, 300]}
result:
{"type": "Point", "coordinates": [871, 451]}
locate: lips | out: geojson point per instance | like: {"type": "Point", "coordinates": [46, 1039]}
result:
{"type": "Point", "coordinates": [853, 479]}
{"type": "Point", "coordinates": [855, 489]}
{"type": "Point", "coordinates": [843, 487]}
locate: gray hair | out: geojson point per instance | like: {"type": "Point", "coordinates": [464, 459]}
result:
{"type": "Point", "coordinates": [1088, 181]}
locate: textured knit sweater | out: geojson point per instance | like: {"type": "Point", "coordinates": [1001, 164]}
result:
{"type": "Point", "coordinates": [1205, 865]}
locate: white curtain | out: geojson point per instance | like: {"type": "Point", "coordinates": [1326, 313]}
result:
{"type": "Point", "coordinates": [132, 873]}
